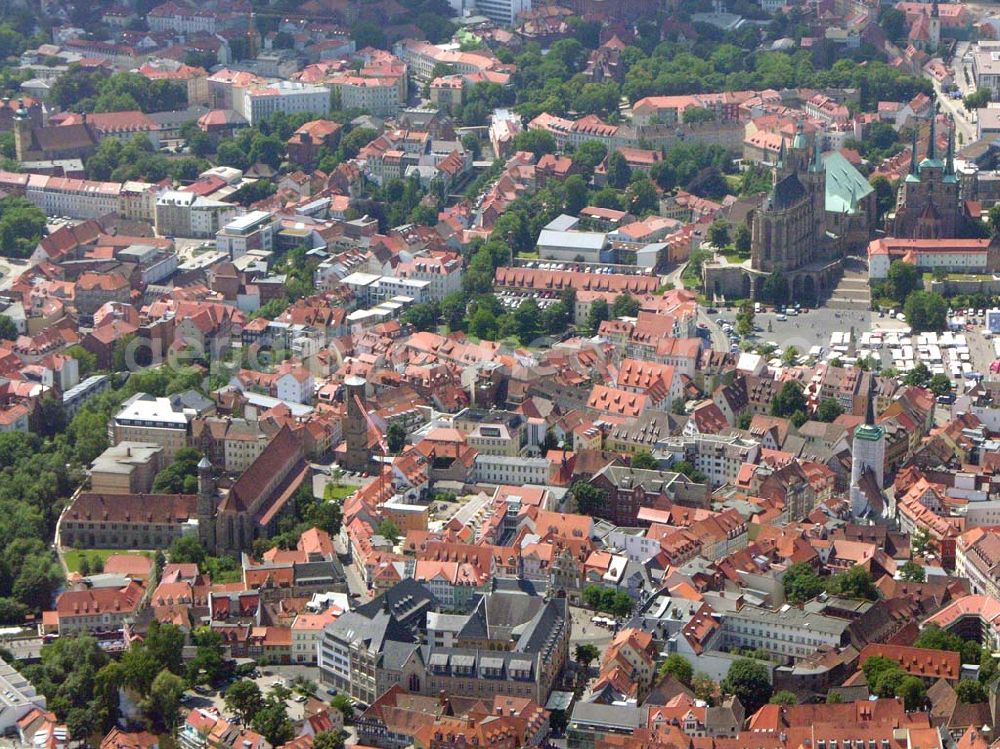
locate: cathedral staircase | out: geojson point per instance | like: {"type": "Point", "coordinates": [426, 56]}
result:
{"type": "Point", "coordinates": [853, 291]}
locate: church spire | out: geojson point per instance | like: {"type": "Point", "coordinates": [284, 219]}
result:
{"type": "Point", "coordinates": [817, 165]}
{"type": "Point", "coordinates": [781, 153]}
{"type": "Point", "coordinates": [913, 151]}
{"type": "Point", "coordinates": [949, 165]}
{"type": "Point", "coordinates": [930, 144]}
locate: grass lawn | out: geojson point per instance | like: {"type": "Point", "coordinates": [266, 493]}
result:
{"type": "Point", "coordinates": [72, 557]}
{"type": "Point", "coordinates": [339, 492]}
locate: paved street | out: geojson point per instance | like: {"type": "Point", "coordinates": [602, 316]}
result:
{"type": "Point", "coordinates": [964, 121]}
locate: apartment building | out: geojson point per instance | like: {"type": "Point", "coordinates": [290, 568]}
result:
{"type": "Point", "coordinates": [126, 468]}
{"type": "Point", "coordinates": [788, 632]}
{"type": "Point", "coordinates": [93, 610]}
{"type": "Point", "coordinates": [977, 554]}
{"type": "Point", "coordinates": [382, 97]}
{"type": "Point", "coordinates": [255, 230]}
{"type": "Point", "coordinates": [160, 421]}
{"type": "Point", "coordinates": [179, 213]}
{"type": "Point", "coordinates": [502, 433]}
{"type": "Point", "coordinates": [258, 102]}
{"type": "Point", "coordinates": [442, 270]}
{"type": "Point", "coordinates": [717, 456]}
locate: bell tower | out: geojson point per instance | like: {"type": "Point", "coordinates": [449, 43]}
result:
{"type": "Point", "coordinates": [358, 454]}
{"type": "Point", "coordinates": [22, 132]}
{"type": "Point", "coordinates": [206, 506]}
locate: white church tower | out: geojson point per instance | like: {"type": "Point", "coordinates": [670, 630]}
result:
{"type": "Point", "coordinates": [867, 454]}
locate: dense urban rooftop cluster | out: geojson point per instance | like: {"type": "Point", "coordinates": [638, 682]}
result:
{"type": "Point", "coordinates": [509, 373]}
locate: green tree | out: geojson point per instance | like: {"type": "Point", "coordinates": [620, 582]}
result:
{"type": "Point", "coordinates": [423, 316]}
{"type": "Point", "coordinates": [970, 692]}
{"type": "Point", "coordinates": [677, 666]}
{"type": "Point", "coordinates": [775, 289]}
{"type": "Point", "coordinates": [920, 375]}
{"type": "Point", "coordinates": [343, 703]}
{"type": "Point", "coordinates": [590, 500]}
{"type": "Point", "coordinates": [977, 99]}
{"type": "Point", "coordinates": [994, 218]}
{"type": "Point", "coordinates": [625, 305]}
{"type": "Point", "coordinates": [742, 242]}
{"type": "Point", "coordinates": [36, 584]}
{"type": "Point", "coordinates": [598, 314]}
{"type": "Point", "coordinates": [244, 698]}
{"type": "Point", "coordinates": [52, 416]}
{"type": "Point", "coordinates": [367, 34]}
{"type": "Point", "coordinates": [901, 280]}
{"type": "Point", "coordinates": [186, 550]}
{"type": "Point", "coordinates": [885, 195]}
{"type": "Point", "coordinates": [538, 142]}
{"type": "Point", "coordinates": [745, 319]}
{"type": "Point", "coordinates": [12, 611]}
{"type": "Point", "coordinates": [789, 399]}
{"type": "Point", "coordinates": [577, 194]}
{"type": "Point", "coordinates": [828, 410]}
{"type": "Point", "coordinates": [940, 384]}
{"type": "Point", "coordinates": [588, 155]}
{"type": "Point", "coordinates": [718, 233]}
{"type": "Point", "coordinates": [272, 722]}
{"type": "Point", "coordinates": [784, 697]}
{"type": "Point", "coordinates": [527, 319]}
{"type": "Point", "coordinates": [912, 572]}
{"type": "Point", "coordinates": [643, 459]}
{"type": "Point", "coordinates": [913, 692]}
{"type": "Point", "coordinates": [483, 324]}
{"type": "Point", "coordinates": [164, 700]}
{"type": "Point", "coordinates": [181, 476]}
{"type": "Point", "coordinates": [586, 654]}
{"type": "Point", "coordinates": [328, 740]}
{"type": "Point", "coordinates": [750, 681]}
{"type": "Point", "coordinates": [801, 583]}
{"type": "Point", "coordinates": [389, 531]}
{"type": "Point", "coordinates": [208, 665]}
{"type": "Point", "coordinates": [854, 583]}
{"type": "Point", "coordinates": [641, 197]}
{"type": "Point", "coordinates": [8, 330]}
{"type": "Point", "coordinates": [704, 688]}
{"type": "Point", "coordinates": [395, 437]}
{"type": "Point", "coordinates": [86, 361]}
{"type": "Point", "coordinates": [883, 675]}
{"type": "Point", "coordinates": [687, 468]}
{"type": "Point", "coordinates": [618, 172]}
{"type": "Point", "coordinates": [926, 310]}
{"type": "Point", "coordinates": [22, 226]}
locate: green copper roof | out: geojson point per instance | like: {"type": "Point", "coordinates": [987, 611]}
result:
{"type": "Point", "coordinates": [869, 432]}
{"type": "Point", "coordinates": [845, 185]}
